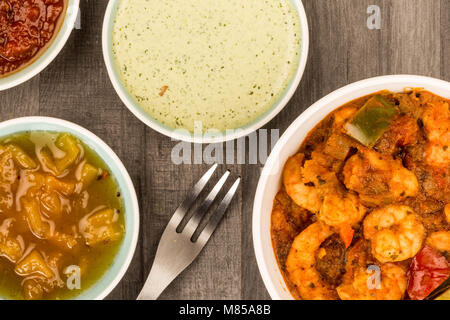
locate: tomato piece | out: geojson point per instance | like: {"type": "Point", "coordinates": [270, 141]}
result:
{"type": "Point", "coordinates": [428, 270]}
{"type": "Point", "coordinates": [346, 233]}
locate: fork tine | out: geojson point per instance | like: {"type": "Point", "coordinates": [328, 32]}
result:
{"type": "Point", "coordinates": [217, 216]}
{"type": "Point", "coordinates": [191, 197]}
{"type": "Point", "coordinates": [200, 212]}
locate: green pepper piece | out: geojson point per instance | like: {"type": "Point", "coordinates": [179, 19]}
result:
{"type": "Point", "coordinates": [371, 121]}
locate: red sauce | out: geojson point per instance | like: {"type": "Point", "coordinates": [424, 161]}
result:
{"type": "Point", "coordinates": [26, 26]}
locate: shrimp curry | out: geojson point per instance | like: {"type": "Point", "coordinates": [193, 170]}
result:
{"type": "Point", "coordinates": [364, 207]}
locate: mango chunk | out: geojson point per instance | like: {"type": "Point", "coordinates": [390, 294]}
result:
{"type": "Point", "coordinates": [22, 158]}
{"type": "Point", "coordinates": [8, 176]}
{"type": "Point", "coordinates": [101, 227]}
{"type": "Point", "coordinates": [64, 241]}
{"type": "Point", "coordinates": [47, 161]}
{"type": "Point", "coordinates": [69, 145]}
{"type": "Point", "coordinates": [34, 264]}
{"type": "Point", "coordinates": [89, 174]}
{"type": "Point", "coordinates": [51, 205]}
{"type": "Point", "coordinates": [53, 184]}
{"type": "Point", "coordinates": [10, 248]}
{"type": "Point", "coordinates": [33, 215]}
{"type": "Point", "coordinates": [39, 284]}
{"type": "Point", "coordinates": [6, 197]}
{"type": "Point", "coordinates": [32, 290]}
{"type": "Point", "coordinates": [8, 170]}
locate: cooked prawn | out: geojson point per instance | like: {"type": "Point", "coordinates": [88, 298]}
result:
{"type": "Point", "coordinates": [436, 121]}
{"type": "Point", "coordinates": [447, 212]}
{"type": "Point", "coordinates": [300, 263]}
{"type": "Point", "coordinates": [396, 233]}
{"type": "Point", "coordinates": [338, 209]}
{"type": "Point", "coordinates": [308, 183]}
{"type": "Point", "coordinates": [439, 240]}
{"type": "Point", "coordinates": [379, 179]}
{"type": "Point", "coordinates": [304, 195]}
{"type": "Point", "coordinates": [317, 189]}
{"type": "Point", "coordinates": [363, 283]}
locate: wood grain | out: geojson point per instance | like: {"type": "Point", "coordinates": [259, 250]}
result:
{"type": "Point", "coordinates": [414, 39]}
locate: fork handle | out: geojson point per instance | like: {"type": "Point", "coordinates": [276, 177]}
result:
{"type": "Point", "coordinates": [154, 285]}
{"type": "Point", "coordinates": [165, 267]}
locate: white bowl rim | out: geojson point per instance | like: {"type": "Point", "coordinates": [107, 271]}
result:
{"type": "Point", "coordinates": [175, 134]}
{"type": "Point", "coordinates": [49, 53]}
{"type": "Point", "coordinates": [122, 172]}
{"type": "Point", "coordinates": [352, 90]}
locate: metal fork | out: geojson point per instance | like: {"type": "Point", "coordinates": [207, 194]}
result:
{"type": "Point", "coordinates": [177, 250]}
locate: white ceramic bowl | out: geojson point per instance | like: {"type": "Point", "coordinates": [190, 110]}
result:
{"type": "Point", "coordinates": [133, 106]}
{"type": "Point", "coordinates": [42, 60]}
{"type": "Point", "coordinates": [288, 145]}
{"type": "Point", "coordinates": [103, 286]}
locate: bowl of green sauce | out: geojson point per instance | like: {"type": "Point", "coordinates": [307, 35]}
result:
{"type": "Point", "coordinates": [205, 74]}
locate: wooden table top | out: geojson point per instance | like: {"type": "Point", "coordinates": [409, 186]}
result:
{"type": "Point", "coordinates": [414, 39]}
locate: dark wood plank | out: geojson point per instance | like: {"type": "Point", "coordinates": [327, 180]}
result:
{"type": "Point", "coordinates": [445, 39]}
{"type": "Point", "coordinates": [415, 43]}
{"type": "Point", "coordinates": [20, 101]}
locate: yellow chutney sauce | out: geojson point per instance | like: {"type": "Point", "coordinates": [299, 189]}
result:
{"type": "Point", "coordinates": [221, 63]}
